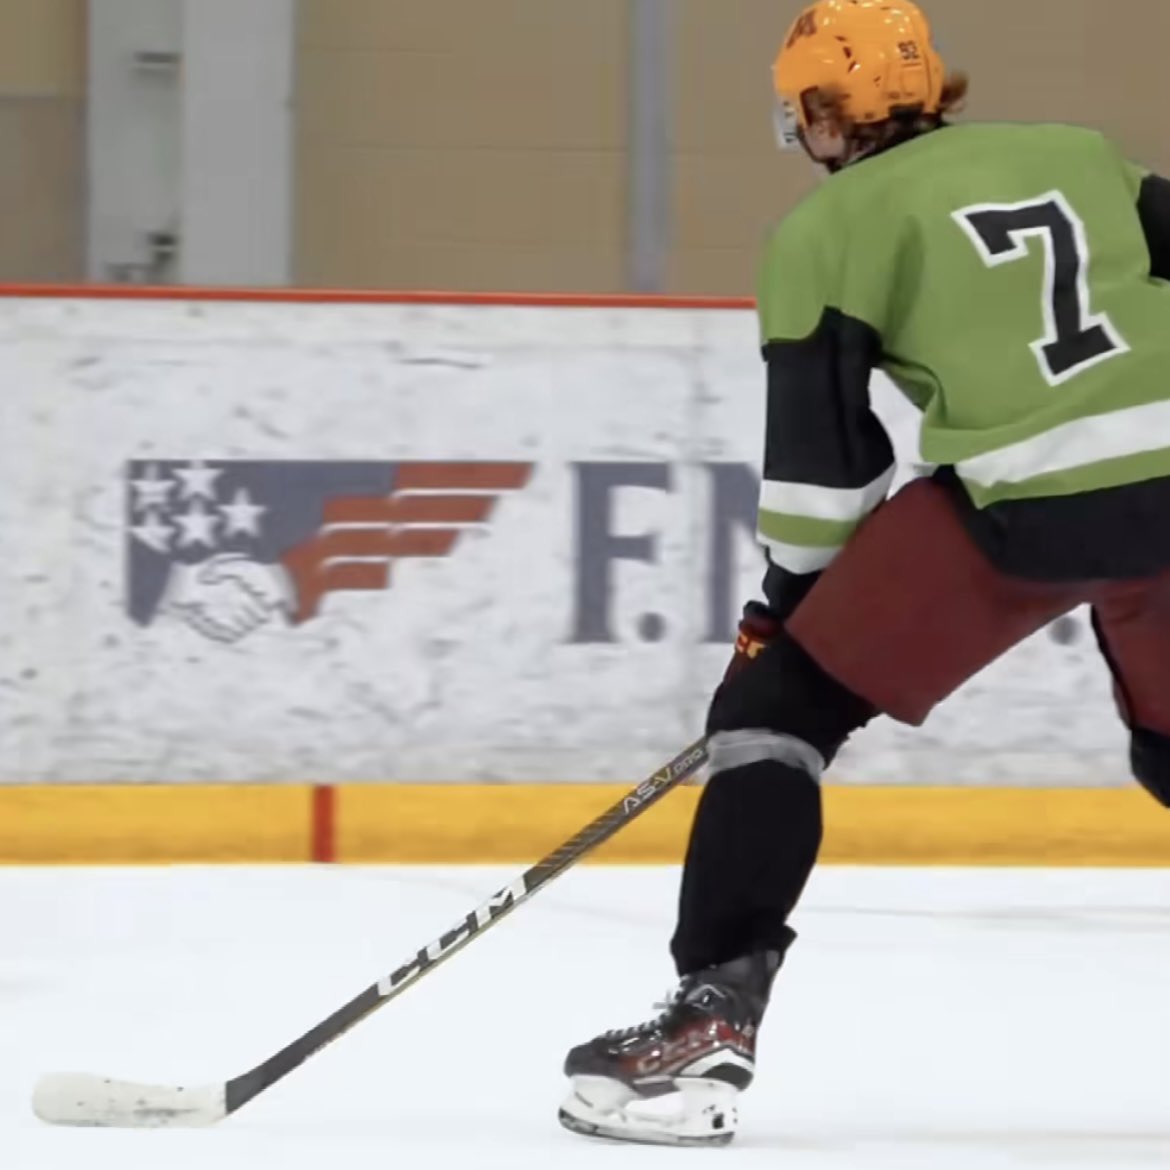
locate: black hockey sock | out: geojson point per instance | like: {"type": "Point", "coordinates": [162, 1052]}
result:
{"type": "Point", "coordinates": [754, 842]}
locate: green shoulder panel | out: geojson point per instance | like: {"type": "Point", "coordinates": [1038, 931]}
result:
{"type": "Point", "coordinates": [838, 250]}
{"type": "Point", "coordinates": [795, 277]}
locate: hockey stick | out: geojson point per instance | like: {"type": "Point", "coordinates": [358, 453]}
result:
{"type": "Point", "coordinates": [83, 1099]}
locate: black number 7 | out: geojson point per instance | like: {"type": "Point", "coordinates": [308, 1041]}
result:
{"type": "Point", "coordinates": [1075, 338]}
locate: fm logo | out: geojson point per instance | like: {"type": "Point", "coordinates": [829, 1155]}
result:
{"type": "Point", "coordinates": [731, 493]}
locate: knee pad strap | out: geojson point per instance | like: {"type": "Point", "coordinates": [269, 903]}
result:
{"type": "Point", "coordinates": [736, 749]}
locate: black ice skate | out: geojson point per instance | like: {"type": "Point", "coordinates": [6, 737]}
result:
{"type": "Point", "coordinates": [674, 1080]}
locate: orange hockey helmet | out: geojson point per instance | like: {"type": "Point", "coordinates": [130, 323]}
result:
{"type": "Point", "coordinates": [875, 56]}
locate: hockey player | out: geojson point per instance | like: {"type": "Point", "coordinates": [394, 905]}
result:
{"type": "Point", "coordinates": [1008, 279]}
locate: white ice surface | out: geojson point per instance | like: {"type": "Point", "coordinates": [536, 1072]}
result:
{"type": "Point", "coordinates": [927, 1018]}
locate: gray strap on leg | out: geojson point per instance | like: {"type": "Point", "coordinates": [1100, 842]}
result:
{"type": "Point", "coordinates": [737, 749]}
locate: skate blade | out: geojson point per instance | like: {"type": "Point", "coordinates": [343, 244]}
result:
{"type": "Point", "coordinates": [637, 1136]}
{"type": "Point", "coordinates": [605, 1109]}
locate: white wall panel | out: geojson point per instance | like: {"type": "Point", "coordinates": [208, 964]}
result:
{"type": "Point", "coordinates": [574, 635]}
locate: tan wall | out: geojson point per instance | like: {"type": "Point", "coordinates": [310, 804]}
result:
{"type": "Point", "coordinates": [42, 128]}
{"type": "Point", "coordinates": [1060, 60]}
{"type": "Point", "coordinates": [472, 144]}
{"type": "Point", "coordinates": [461, 144]}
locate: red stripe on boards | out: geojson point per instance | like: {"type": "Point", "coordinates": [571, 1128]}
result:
{"type": "Point", "coordinates": [323, 843]}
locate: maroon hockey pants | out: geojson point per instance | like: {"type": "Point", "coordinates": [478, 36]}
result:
{"type": "Point", "coordinates": [911, 609]}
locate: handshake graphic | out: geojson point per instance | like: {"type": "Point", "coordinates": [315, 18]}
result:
{"type": "Point", "coordinates": [228, 596]}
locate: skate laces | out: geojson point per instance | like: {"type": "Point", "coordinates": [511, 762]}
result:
{"type": "Point", "coordinates": [702, 993]}
{"type": "Point", "coordinates": [689, 990]}
{"type": "Point", "coordinates": [669, 1000]}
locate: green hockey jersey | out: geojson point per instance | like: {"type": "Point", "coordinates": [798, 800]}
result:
{"type": "Point", "coordinates": [1008, 279]}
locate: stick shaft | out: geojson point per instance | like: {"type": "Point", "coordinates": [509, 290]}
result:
{"type": "Point", "coordinates": [241, 1089]}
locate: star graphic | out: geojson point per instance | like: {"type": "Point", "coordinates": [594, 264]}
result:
{"type": "Point", "coordinates": [154, 533]}
{"type": "Point", "coordinates": [198, 480]}
{"type": "Point", "coordinates": [241, 515]}
{"type": "Point", "coordinates": [197, 525]}
{"type": "Point", "coordinates": [151, 491]}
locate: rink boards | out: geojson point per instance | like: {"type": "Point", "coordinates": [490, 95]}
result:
{"type": "Point", "coordinates": [352, 577]}
{"type": "Point", "coordinates": [462, 824]}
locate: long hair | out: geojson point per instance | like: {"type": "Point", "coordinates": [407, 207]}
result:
{"type": "Point", "coordinates": [865, 138]}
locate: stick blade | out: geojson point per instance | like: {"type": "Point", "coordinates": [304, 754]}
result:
{"type": "Point", "coordinates": [81, 1099]}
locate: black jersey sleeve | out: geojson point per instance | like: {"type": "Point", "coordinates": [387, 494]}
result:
{"type": "Point", "coordinates": [1154, 212]}
{"type": "Point", "coordinates": [828, 460]}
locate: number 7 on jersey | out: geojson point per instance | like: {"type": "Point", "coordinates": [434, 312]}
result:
{"type": "Point", "coordinates": [1075, 338]}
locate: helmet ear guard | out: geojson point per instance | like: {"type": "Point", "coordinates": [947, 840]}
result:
{"type": "Point", "coordinates": [793, 119]}
{"type": "Point", "coordinates": [786, 123]}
